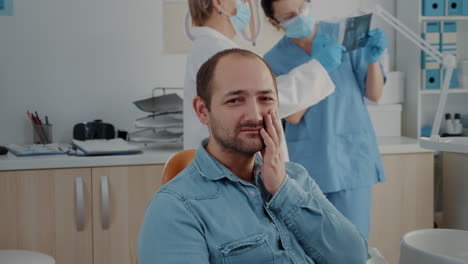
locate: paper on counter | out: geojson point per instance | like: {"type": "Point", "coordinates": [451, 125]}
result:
{"type": "Point", "coordinates": [105, 146]}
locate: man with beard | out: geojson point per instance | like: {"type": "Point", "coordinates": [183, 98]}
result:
{"type": "Point", "coordinates": [238, 201]}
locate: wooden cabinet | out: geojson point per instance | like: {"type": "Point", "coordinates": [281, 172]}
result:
{"type": "Point", "coordinates": [88, 215]}
{"type": "Point", "coordinates": [116, 230]}
{"type": "Point", "coordinates": [39, 212]}
{"type": "Point", "coordinates": [455, 190]}
{"type": "Point", "coordinates": [403, 203]}
{"type": "Point", "coordinates": [40, 209]}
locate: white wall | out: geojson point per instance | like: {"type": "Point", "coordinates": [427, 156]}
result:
{"type": "Point", "coordinates": [81, 60]}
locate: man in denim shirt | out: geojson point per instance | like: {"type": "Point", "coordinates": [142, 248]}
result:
{"type": "Point", "coordinates": [231, 205]}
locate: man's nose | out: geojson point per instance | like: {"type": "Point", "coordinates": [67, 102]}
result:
{"type": "Point", "coordinates": [255, 111]}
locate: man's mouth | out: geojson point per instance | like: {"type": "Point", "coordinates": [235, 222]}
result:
{"type": "Point", "coordinates": [251, 129]}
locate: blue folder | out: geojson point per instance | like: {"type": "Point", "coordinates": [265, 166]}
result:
{"type": "Point", "coordinates": [431, 33]}
{"type": "Point", "coordinates": [433, 7]}
{"type": "Point", "coordinates": [453, 81]}
{"type": "Point", "coordinates": [432, 79]}
{"type": "Point", "coordinates": [448, 44]}
{"type": "Point", "coordinates": [6, 7]}
{"type": "Point", "coordinates": [465, 7]}
{"type": "Point", "coordinates": [454, 7]}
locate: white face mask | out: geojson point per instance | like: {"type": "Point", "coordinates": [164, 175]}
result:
{"type": "Point", "coordinates": [242, 17]}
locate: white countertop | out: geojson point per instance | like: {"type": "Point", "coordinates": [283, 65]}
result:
{"type": "Point", "coordinates": [151, 156]}
{"type": "Point", "coordinates": [399, 145]}
{"type": "Point", "coordinates": [387, 145]}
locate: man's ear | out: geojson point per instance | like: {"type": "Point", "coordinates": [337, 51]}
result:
{"type": "Point", "coordinates": [275, 24]}
{"type": "Point", "coordinates": [201, 109]}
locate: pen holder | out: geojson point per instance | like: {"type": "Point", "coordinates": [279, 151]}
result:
{"type": "Point", "coordinates": [42, 134]}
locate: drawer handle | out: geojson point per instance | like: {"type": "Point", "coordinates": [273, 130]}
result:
{"type": "Point", "coordinates": [80, 210]}
{"type": "Point", "coordinates": [105, 202]}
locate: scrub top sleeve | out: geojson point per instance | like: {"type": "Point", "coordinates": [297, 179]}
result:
{"type": "Point", "coordinates": [360, 67]}
{"type": "Point", "coordinates": [170, 233]}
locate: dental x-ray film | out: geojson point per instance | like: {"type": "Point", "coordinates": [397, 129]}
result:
{"type": "Point", "coordinates": [356, 32]}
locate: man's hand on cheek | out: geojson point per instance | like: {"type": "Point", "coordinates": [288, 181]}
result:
{"type": "Point", "coordinates": [273, 169]}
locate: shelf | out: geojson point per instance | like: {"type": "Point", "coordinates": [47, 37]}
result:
{"type": "Point", "coordinates": [448, 144]}
{"type": "Point", "coordinates": [421, 105]}
{"type": "Point", "coordinates": [443, 18]}
{"type": "Point", "coordinates": [450, 91]}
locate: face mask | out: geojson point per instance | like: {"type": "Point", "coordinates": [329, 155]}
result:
{"type": "Point", "coordinates": [300, 26]}
{"type": "Point", "coordinates": [242, 17]}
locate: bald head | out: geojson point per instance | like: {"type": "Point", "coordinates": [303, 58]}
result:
{"type": "Point", "coordinates": [224, 65]}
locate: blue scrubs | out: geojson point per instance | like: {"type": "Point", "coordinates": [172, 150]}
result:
{"type": "Point", "coordinates": [335, 140]}
{"type": "Point", "coordinates": [354, 204]}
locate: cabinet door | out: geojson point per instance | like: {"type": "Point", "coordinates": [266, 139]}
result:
{"type": "Point", "coordinates": [403, 203]}
{"type": "Point", "coordinates": [455, 187]}
{"type": "Point", "coordinates": [120, 195]}
{"type": "Point", "coordinates": [40, 212]}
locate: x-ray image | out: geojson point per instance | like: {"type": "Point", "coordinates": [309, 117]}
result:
{"type": "Point", "coordinates": [356, 30]}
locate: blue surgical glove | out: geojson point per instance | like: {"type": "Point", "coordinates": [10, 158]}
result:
{"type": "Point", "coordinates": [327, 52]}
{"type": "Point", "coordinates": [376, 44]}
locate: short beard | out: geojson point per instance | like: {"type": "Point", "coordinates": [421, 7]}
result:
{"type": "Point", "coordinates": [233, 143]}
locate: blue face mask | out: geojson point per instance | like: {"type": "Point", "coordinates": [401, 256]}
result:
{"type": "Point", "coordinates": [300, 26]}
{"type": "Point", "coordinates": [242, 17]}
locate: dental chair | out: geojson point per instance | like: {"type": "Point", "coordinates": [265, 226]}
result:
{"type": "Point", "coordinates": [434, 246]}
{"type": "Point", "coordinates": [16, 256]}
{"type": "Point", "coordinates": [177, 163]}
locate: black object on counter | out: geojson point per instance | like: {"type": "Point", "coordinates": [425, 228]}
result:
{"type": "Point", "coordinates": [122, 134]}
{"type": "Point", "coordinates": [93, 130]}
{"type": "Point", "coordinates": [3, 150]}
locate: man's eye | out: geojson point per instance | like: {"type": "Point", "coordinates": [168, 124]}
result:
{"type": "Point", "coordinates": [266, 99]}
{"type": "Point", "coordinates": [233, 100]}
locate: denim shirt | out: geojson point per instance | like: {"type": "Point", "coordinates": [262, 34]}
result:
{"type": "Point", "coordinates": [208, 215]}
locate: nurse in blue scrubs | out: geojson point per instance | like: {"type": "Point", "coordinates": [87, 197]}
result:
{"type": "Point", "coordinates": [334, 139]}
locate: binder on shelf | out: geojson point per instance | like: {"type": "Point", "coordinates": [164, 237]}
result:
{"type": "Point", "coordinates": [432, 27]}
{"type": "Point", "coordinates": [454, 7]}
{"type": "Point", "coordinates": [433, 7]}
{"type": "Point", "coordinates": [448, 44]}
{"type": "Point", "coordinates": [465, 7]}
{"type": "Point", "coordinates": [431, 79]}
{"type": "Point", "coordinates": [453, 80]}
{"type": "Point", "coordinates": [431, 33]}
{"type": "Point", "coordinates": [431, 68]}
{"type": "Point", "coordinates": [448, 37]}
